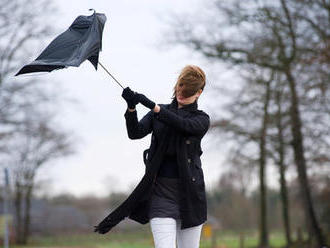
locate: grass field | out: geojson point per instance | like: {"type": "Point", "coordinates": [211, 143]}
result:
{"type": "Point", "coordinates": [141, 238]}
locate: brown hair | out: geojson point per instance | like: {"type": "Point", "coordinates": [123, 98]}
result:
{"type": "Point", "coordinates": [191, 78]}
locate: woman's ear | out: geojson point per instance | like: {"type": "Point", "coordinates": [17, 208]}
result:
{"type": "Point", "coordinates": [198, 93]}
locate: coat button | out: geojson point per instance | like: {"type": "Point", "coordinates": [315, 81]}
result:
{"type": "Point", "coordinates": [188, 142]}
{"type": "Point", "coordinates": [193, 179]}
{"type": "Point", "coordinates": [189, 160]}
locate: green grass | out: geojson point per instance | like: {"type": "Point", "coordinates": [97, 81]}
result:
{"type": "Point", "coordinates": [232, 240]}
{"type": "Point", "coordinates": [133, 239]}
{"type": "Point", "coordinates": [142, 238]}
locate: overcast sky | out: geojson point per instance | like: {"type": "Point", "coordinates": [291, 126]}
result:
{"type": "Point", "coordinates": [106, 158]}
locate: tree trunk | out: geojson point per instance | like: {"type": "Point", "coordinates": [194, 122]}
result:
{"type": "Point", "coordinates": [282, 169]}
{"type": "Point", "coordinates": [26, 226]}
{"type": "Point", "coordinates": [18, 213]}
{"type": "Point", "coordinates": [297, 144]}
{"type": "Point", "coordinates": [285, 203]}
{"type": "Point", "coordinates": [263, 242]}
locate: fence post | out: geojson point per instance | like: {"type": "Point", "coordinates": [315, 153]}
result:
{"type": "Point", "coordinates": [241, 239]}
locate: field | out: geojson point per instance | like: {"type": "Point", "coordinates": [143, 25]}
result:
{"type": "Point", "coordinates": [141, 239]}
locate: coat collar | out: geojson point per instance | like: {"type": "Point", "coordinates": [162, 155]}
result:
{"type": "Point", "coordinates": [188, 107]}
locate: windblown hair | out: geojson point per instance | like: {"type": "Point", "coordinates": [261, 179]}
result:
{"type": "Point", "coordinates": [191, 79]}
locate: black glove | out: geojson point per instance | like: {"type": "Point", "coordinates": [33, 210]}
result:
{"type": "Point", "coordinates": [101, 230]}
{"type": "Point", "coordinates": [130, 97]}
{"type": "Point", "coordinates": [145, 101]}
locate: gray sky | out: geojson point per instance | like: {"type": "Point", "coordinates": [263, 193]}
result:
{"type": "Point", "coordinates": [107, 159]}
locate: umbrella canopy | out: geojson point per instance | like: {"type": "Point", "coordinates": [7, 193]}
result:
{"type": "Point", "coordinates": [81, 41]}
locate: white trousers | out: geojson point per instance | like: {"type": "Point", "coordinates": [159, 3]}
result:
{"type": "Point", "coordinates": [167, 231]}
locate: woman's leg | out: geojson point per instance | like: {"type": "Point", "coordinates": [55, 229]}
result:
{"type": "Point", "coordinates": [164, 232]}
{"type": "Point", "coordinates": [188, 237]}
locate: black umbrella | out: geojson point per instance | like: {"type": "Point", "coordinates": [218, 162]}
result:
{"type": "Point", "coordinates": [81, 41]}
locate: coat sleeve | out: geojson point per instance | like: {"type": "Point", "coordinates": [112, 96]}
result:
{"type": "Point", "coordinates": [138, 129]}
{"type": "Point", "coordinates": [197, 125]}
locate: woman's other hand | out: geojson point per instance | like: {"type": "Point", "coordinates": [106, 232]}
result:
{"type": "Point", "coordinates": [145, 101]}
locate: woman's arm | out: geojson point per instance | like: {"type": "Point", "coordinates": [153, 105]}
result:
{"type": "Point", "coordinates": [138, 129]}
{"type": "Point", "coordinates": [197, 125]}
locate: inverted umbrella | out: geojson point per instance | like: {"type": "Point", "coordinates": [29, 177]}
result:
{"type": "Point", "coordinates": [81, 41]}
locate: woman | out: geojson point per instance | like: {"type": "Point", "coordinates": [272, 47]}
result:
{"type": "Point", "coordinates": [171, 195]}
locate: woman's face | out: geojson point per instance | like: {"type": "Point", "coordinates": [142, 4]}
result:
{"type": "Point", "coordinates": [186, 100]}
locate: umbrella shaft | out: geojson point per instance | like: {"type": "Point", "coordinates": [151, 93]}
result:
{"type": "Point", "coordinates": [110, 74]}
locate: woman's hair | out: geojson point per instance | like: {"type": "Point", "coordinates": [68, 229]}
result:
{"type": "Point", "coordinates": [191, 79]}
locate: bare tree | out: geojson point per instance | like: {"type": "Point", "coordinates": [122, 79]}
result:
{"type": "Point", "coordinates": [252, 105]}
{"type": "Point", "coordinates": [39, 143]}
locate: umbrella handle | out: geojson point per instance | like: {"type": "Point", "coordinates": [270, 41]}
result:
{"type": "Point", "coordinates": [110, 74]}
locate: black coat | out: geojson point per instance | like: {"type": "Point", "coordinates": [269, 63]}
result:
{"type": "Point", "coordinates": [190, 125]}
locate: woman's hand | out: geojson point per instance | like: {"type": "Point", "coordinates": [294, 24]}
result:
{"type": "Point", "coordinates": [131, 98]}
{"type": "Point", "coordinates": [146, 101]}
